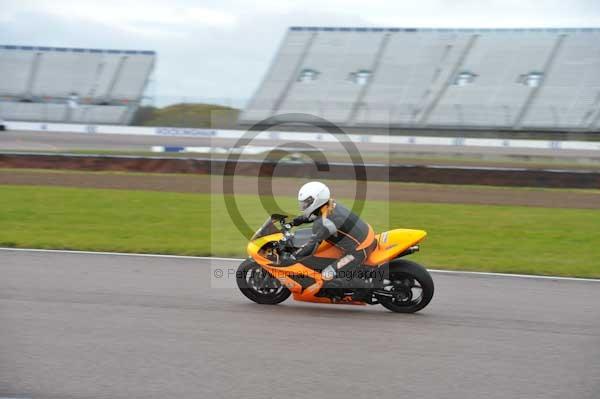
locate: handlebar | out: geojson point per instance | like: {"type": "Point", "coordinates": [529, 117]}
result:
{"type": "Point", "coordinates": [284, 243]}
{"type": "Point", "coordinates": [285, 226]}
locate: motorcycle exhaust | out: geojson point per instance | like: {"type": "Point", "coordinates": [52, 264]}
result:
{"type": "Point", "coordinates": [410, 250]}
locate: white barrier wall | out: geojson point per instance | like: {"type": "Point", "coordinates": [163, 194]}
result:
{"type": "Point", "coordinates": [300, 136]}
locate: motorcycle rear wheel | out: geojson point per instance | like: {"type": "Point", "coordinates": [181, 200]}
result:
{"type": "Point", "coordinates": [407, 279]}
{"type": "Point", "coordinates": [258, 285]}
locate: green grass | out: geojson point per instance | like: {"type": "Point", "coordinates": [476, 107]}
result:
{"type": "Point", "coordinates": [465, 237]}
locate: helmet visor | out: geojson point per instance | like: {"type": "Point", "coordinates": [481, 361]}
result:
{"type": "Point", "coordinates": [306, 203]}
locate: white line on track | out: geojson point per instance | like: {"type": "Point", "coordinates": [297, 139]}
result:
{"type": "Point", "coordinates": [458, 272]}
{"type": "Point", "coordinates": [116, 254]}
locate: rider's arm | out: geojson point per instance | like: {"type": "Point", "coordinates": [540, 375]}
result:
{"type": "Point", "coordinates": [299, 220]}
{"type": "Point", "coordinates": [323, 228]}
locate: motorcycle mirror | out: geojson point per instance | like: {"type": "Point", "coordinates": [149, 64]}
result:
{"type": "Point", "coordinates": [279, 217]}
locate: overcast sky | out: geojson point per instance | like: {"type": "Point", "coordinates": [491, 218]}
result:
{"type": "Point", "coordinates": [220, 49]}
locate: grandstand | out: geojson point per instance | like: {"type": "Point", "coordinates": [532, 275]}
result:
{"type": "Point", "coordinates": [498, 79]}
{"type": "Point", "coordinates": [72, 85]}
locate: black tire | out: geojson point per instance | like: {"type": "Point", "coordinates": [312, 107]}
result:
{"type": "Point", "coordinates": [270, 291]}
{"type": "Point", "coordinates": [405, 270]}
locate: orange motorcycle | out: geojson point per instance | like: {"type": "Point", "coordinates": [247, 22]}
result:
{"type": "Point", "coordinates": [398, 284]}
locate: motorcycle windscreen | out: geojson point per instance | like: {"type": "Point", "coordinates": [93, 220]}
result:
{"type": "Point", "coordinates": [266, 229]}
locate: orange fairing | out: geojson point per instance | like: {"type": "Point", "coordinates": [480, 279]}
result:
{"type": "Point", "coordinates": [284, 273]}
{"type": "Point", "coordinates": [392, 243]}
{"type": "Point", "coordinates": [254, 247]}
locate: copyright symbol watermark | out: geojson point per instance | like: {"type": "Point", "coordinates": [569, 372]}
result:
{"type": "Point", "coordinates": [223, 276]}
{"type": "Point", "coordinates": [274, 158]}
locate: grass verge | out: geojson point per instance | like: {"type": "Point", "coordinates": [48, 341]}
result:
{"type": "Point", "coordinates": [506, 239]}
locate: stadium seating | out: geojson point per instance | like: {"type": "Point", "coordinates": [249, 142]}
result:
{"type": "Point", "coordinates": [33, 111]}
{"type": "Point", "coordinates": [108, 114]}
{"type": "Point", "coordinates": [515, 79]}
{"type": "Point", "coordinates": [571, 93]}
{"type": "Point", "coordinates": [76, 85]}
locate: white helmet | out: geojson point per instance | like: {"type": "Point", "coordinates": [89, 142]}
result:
{"type": "Point", "coordinates": [312, 196]}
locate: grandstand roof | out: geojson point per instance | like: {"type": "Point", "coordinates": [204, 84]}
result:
{"type": "Point", "coordinates": [75, 49]}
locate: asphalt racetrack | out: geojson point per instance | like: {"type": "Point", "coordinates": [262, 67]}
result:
{"type": "Point", "coordinates": [48, 141]}
{"type": "Point", "coordinates": [110, 326]}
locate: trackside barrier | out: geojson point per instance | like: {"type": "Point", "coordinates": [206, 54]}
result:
{"type": "Point", "coordinates": [375, 172]}
{"type": "Point", "coordinates": [301, 136]}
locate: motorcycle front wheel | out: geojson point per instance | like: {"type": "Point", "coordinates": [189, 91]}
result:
{"type": "Point", "coordinates": [258, 285]}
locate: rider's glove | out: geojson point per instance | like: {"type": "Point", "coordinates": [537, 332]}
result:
{"type": "Point", "coordinates": [298, 220]}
